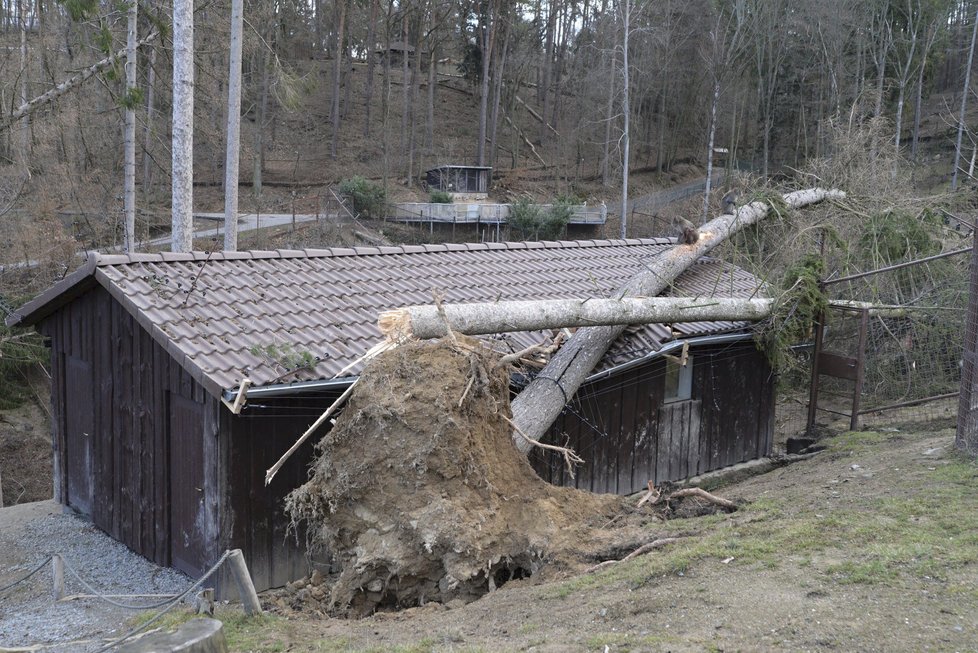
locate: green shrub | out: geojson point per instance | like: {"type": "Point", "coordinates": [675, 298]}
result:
{"type": "Point", "coordinates": [532, 222]}
{"type": "Point", "coordinates": [440, 197]}
{"type": "Point", "coordinates": [368, 199]}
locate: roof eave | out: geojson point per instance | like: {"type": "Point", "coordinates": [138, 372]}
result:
{"type": "Point", "coordinates": [73, 285]}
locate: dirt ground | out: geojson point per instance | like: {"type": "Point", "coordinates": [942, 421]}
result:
{"type": "Point", "coordinates": [870, 546]}
{"type": "Point", "coordinates": [25, 454]}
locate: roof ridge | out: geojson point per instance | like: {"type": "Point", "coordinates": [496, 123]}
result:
{"type": "Point", "coordinates": [103, 259]}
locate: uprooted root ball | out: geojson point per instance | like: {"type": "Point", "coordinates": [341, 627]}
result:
{"type": "Point", "coordinates": [419, 493]}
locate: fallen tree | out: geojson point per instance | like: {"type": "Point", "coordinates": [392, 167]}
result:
{"type": "Point", "coordinates": [539, 404]}
{"type": "Point", "coordinates": [427, 321]}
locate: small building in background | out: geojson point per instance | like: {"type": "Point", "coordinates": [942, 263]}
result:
{"type": "Point", "coordinates": [397, 51]}
{"type": "Point", "coordinates": [463, 182]}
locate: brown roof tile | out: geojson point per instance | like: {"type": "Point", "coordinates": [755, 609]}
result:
{"type": "Point", "coordinates": [218, 314]}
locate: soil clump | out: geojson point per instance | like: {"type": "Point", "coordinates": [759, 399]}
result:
{"type": "Point", "coordinates": [420, 495]}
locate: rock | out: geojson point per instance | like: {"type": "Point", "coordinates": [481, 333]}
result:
{"type": "Point", "coordinates": [317, 577]}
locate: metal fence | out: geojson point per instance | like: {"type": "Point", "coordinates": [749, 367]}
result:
{"type": "Point", "coordinates": [494, 214]}
{"type": "Point", "coordinates": [888, 353]}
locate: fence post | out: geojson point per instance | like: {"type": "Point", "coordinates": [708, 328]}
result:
{"type": "Point", "coordinates": [966, 436]}
{"type": "Point", "coordinates": [249, 598]}
{"type": "Point", "coordinates": [860, 369]}
{"type": "Point", "coordinates": [58, 570]}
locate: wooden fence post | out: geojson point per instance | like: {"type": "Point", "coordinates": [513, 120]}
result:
{"type": "Point", "coordinates": [246, 588]}
{"type": "Point", "coordinates": [58, 568]}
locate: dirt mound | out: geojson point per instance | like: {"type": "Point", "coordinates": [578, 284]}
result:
{"type": "Point", "coordinates": [419, 493]}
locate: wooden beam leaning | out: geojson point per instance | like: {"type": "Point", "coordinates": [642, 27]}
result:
{"type": "Point", "coordinates": [539, 404]}
{"type": "Point", "coordinates": [500, 317]}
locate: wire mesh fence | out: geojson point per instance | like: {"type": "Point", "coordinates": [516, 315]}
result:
{"type": "Point", "coordinates": [891, 351]}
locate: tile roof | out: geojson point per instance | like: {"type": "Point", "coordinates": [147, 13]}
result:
{"type": "Point", "coordinates": [230, 315]}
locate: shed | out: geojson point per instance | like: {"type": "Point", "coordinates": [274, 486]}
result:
{"type": "Point", "coordinates": [147, 350]}
{"type": "Point", "coordinates": [466, 180]}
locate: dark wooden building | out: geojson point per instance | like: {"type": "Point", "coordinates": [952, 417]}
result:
{"type": "Point", "coordinates": [469, 180]}
{"type": "Point", "coordinates": [148, 352]}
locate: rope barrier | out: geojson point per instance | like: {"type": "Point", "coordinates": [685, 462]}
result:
{"type": "Point", "coordinates": [138, 629]}
{"type": "Point", "coordinates": [18, 582]}
{"type": "Point", "coordinates": [102, 597]}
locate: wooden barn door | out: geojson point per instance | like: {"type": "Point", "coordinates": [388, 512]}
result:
{"type": "Point", "coordinates": [79, 433]}
{"type": "Point", "coordinates": [679, 440]}
{"type": "Point", "coordinates": [186, 463]}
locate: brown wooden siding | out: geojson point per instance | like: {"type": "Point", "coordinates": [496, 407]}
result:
{"type": "Point", "coordinates": [628, 436]}
{"type": "Point", "coordinates": [125, 397]}
{"type": "Point", "coordinates": [255, 519]}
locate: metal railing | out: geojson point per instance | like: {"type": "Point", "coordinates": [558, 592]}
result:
{"type": "Point", "coordinates": [463, 213]}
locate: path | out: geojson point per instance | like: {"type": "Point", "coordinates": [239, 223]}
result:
{"type": "Point", "coordinates": [660, 199]}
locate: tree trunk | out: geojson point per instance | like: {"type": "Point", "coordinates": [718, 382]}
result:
{"type": "Point", "coordinates": [183, 126]}
{"type": "Point", "coordinates": [231, 157]}
{"type": "Point", "coordinates": [964, 103]}
{"type": "Point", "coordinates": [129, 135]}
{"type": "Point", "coordinates": [539, 404]}
{"type": "Point", "coordinates": [709, 148]}
{"type": "Point", "coordinates": [626, 115]}
{"type": "Point", "coordinates": [337, 78]}
{"type": "Point", "coordinates": [148, 128]}
{"type": "Point", "coordinates": [27, 108]}
{"type": "Point", "coordinates": [501, 317]}
{"type": "Point", "coordinates": [608, 118]}
{"type": "Point", "coordinates": [25, 127]}
{"type": "Point", "coordinates": [488, 38]}
{"type": "Point", "coordinates": [496, 99]}
{"type": "Point", "coordinates": [371, 65]}
{"type": "Point", "coordinates": [260, 120]}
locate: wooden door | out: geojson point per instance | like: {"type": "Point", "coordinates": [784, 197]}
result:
{"type": "Point", "coordinates": [79, 432]}
{"type": "Point", "coordinates": [186, 472]}
{"type": "Point", "coordinates": [678, 440]}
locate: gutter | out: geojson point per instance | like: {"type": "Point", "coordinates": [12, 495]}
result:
{"type": "Point", "coordinates": [669, 347]}
{"type": "Point", "coordinates": [303, 387]}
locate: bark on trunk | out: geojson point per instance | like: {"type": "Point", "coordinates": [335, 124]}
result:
{"type": "Point", "coordinates": [536, 408]}
{"type": "Point", "coordinates": [183, 126]}
{"type": "Point", "coordinates": [500, 317]}
{"type": "Point", "coordinates": [129, 135]}
{"type": "Point", "coordinates": [232, 159]}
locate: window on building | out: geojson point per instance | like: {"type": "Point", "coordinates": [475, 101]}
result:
{"type": "Point", "coordinates": [679, 379]}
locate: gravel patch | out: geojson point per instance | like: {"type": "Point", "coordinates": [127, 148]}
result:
{"type": "Point", "coordinates": [29, 615]}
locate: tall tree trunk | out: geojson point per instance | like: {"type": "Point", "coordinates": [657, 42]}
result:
{"type": "Point", "coordinates": [488, 38]}
{"type": "Point", "coordinates": [261, 118]}
{"type": "Point", "coordinates": [709, 148]}
{"type": "Point", "coordinates": [497, 98]}
{"type": "Point", "coordinates": [25, 126]}
{"type": "Point", "coordinates": [183, 125]}
{"type": "Point", "coordinates": [429, 131]}
{"type": "Point", "coordinates": [964, 103]}
{"type": "Point", "coordinates": [232, 153]}
{"type": "Point", "coordinates": [148, 127]}
{"type": "Point", "coordinates": [543, 91]}
{"type": "Point", "coordinates": [608, 119]}
{"type": "Point", "coordinates": [415, 92]}
{"type": "Point", "coordinates": [918, 101]}
{"type": "Point", "coordinates": [129, 131]}
{"type": "Point", "coordinates": [626, 117]}
{"type": "Point", "coordinates": [541, 401]}
{"type": "Point", "coordinates": [337, 77]}
{"type": "Point", "coordinates": [368, 93]}
{"type": "Point", "coordinates": [405, 95]}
